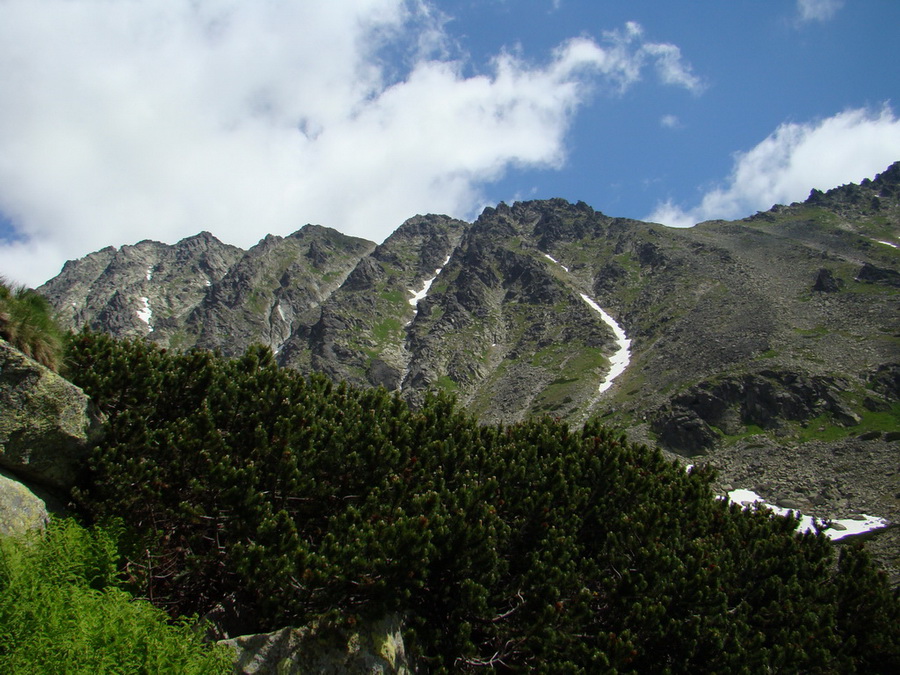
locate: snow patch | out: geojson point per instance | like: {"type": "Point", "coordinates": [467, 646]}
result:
{"type": "Point", "coordinates": [845, 526]}
{"type": "Point", "coordinates": [145, 313]}
{"type": "Point", "coordinates": [888, 243]}
{"type": "Point", "coordinates": [619, 361]}
{"type": "Point", "coordinates": [419, 295]}
{"type": "Point", "coordinates": [554, 260]}
{"type": "Point", "coordinates": [150, 273]}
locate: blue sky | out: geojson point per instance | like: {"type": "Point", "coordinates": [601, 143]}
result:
{"type": "Point", "coordinates": [761, 66]}
{"type": "Point", "coordinates": [127, 120]}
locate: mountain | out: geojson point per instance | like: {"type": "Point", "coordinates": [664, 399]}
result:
{"type": "Point", "coordinates": [768, 346]}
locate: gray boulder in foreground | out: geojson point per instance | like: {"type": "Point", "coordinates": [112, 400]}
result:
{"type": "Point", "coordinates": [45, 422]}
{"type": "Point", "coordinates": [20, 509]}
{"type": "Point", "coordinates": [375, 647]}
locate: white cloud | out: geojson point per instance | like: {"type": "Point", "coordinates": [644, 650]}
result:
{"type": "Point", "coordinates": [670, 122]}
{"type": "Point", "coordinates": [142, 119]}
{"type": "Point", "coordinates": [817, 10]}
{"type": "Point", "coordinates": [794, 159]}
{"type": "Point", "coordinates": [630, 54]}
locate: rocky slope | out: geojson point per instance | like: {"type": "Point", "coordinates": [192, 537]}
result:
{"type": "Point", "coordinates": [201, 292]}
{"type": "Point", "coordinates": [769, 347]}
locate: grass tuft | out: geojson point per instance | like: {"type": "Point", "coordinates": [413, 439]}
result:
{"type": "Point", "coordinates": [27, 323]}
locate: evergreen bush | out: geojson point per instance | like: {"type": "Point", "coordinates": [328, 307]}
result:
{"type": "Point", "coordinates": [530, 546]}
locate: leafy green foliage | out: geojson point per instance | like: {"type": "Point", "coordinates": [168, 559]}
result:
{"type": "Point", "coordinates": [529, 546]}
{"type": "Point", "coordinates": [62, 612]}
{"type": "Point", "coordinates": [26, 322]}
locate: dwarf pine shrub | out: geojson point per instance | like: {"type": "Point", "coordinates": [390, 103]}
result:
{"type": "Point", "coordinates": [529, 547]}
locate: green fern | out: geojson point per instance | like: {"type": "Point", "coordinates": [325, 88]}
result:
{"type": "Point", "coordinates": [61, 612]}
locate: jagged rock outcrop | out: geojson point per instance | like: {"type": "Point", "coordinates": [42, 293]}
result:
{"type": "Point", "coordinates": [275, 290]}
{"type": "Point", "coordinates": [826, 282]}
{"type": "Point", "coordinates": [360, 336]}
{"type": "Point", "coordinates": [374, 647]}
{"type": "Point", "coordinates": [46, 423]}
{"type": "Point", "coordinates": [878, 275]}
{"type": "Point", "coordinates": [766, 399]}
{"type": "Point", "coordinates": [201, 292]}
{"type": "Point", "coordinates": [875, 197]}
{"type": "Point", "coordinates": [146, 290]}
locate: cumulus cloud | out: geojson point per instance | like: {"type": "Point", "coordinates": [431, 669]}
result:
{"type": "Point", "coordinates": [817, 10]}
{"type": "Point", "coordinates": [142, 119]}
{"type": "Point", "coordinates": [795, 158]}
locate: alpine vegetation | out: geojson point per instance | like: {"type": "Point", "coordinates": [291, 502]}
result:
{"type": "Point", "coordinates": [26, 322]}
{"type": "Point", "coordinates": [62, 610]}
{"type": "Point", "coordinates": [526, 546]}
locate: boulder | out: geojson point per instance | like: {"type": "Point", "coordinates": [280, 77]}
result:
{"type": "Point", "coordinates": [886, 380]}
{"type": "Point", "coordinates": [382, 374]}
{"type": "Point", "coordinates": [683, 431]}
{"type": "Point", "coordinates": [20, 509]}
{"type": "Point", "coordinates": [826, 282]}
{"type": "Point", "coordinates": [870, 274]}
{"type": "Point", "coordinates": [46, 423]}
{"type": "Point", "coordinates": [375, 647]}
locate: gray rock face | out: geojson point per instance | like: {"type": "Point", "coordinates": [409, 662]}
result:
{"type": "Point", "coordinates": [45, 422]}
{"type": "Point", "coordinates": [805, 291]}
{"type": "Point", "coordinates": [201, 292]}
{"type": "Point", "coordinates": [361, 334]}
{"type": "Point", "coordinates": [765, 399]}
{"type": "Point", "coordinates": [145, 290]}
{"type": "Point", "coordinates": [504, 327]}
{"type": "Point", "coordinates": [376, 647]}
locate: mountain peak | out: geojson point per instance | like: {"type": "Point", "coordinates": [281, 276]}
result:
{"type": "Point", "coordinates": [469, 307]}
{"type": "Point", "coordinates": [890, 176]}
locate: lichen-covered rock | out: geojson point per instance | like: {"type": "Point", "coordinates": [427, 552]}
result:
{"type": "Point", "coordinates": [45, 422]}
{"type": "Point", "coordinates": [20, 509]}
{"type": "Point", "coordinates": [375, 647]}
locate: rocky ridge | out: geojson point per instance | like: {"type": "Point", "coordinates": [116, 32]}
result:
{"type": "Point", "coordinates": [768, 347]}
